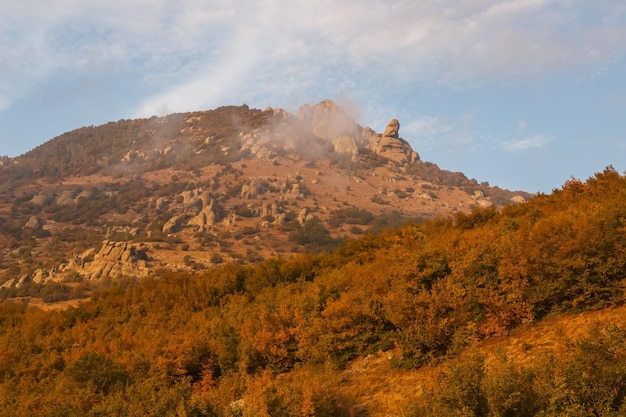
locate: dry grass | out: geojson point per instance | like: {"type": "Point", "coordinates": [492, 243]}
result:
{"type": "Point", "coordinates": [385, 391]}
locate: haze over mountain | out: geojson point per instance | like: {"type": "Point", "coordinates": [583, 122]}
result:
{"type": "Point", "coordinates": [193, 190]}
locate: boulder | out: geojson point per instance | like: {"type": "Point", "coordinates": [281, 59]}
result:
{"type": "Point", "coordinates": [86, 194]}
{"type": "Point", "coordinates": [280, 219]}
{"type": "Point", "coordinates": [482, 203]}
{"type": "Point", "coordinates": [40, 276]}
{"type": "Point", "coordinates": [34, 222]}
{"type": "Point", "coordinates": [25, 279]}
{"type": "Point", "coordinates": [8, 283]}
{"type": "Point", "coordinates": [172, 225]}
{"type": "Point", "coordinates": [41, 199]}
{"type": "Point", "coordinates": [66, 197]}
{"type": "Point", "coordinates": [395, 149]}
{"type": "Point", "coordinates": [304, 215]}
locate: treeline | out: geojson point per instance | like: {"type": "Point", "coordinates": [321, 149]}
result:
{"type": "Point", "coordinates": [270, 339]}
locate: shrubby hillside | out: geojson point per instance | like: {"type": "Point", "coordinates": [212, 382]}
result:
{"type": "Point", "coordinates": [291, 336]}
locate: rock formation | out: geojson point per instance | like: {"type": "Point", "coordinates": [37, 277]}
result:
{"type": "Point", "coordinates": [392, 146]}
{"type": "Point", "coordinates": [41, 199]}
{"type": "Point", "coordinates": [172, 225]}
{"type": "Point", "coordinates": [114, 260]}
{"type": "Point", "coordinates": [392, 130]}
{"type": "Point", "coordinates": [66, 197]}
{"type": "Point", "coordinates": [304, 215]}
{"type": "Point", "coordinates": [330, 122]}
{"type": "Point", "coordinates": [210, 214]}
{"type": "Point", "coordinates": [34, 222]}
{"type": "Point", "coordinates": [322, 128]}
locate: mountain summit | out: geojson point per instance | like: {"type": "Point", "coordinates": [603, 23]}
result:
{"type": "Point", "coordinates": [192, 190]}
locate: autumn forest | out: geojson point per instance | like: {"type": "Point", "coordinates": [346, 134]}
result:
{"type": "Point", "coordinates": [283, 337]}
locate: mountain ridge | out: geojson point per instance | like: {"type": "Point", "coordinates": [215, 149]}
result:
{"type": "Point", "coordinates": [230, 184]}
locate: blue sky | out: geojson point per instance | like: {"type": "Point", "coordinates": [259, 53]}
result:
{"type": "Point", "coordinates": [524, 94]}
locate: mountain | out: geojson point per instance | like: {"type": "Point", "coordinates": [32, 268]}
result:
{"type": "Point", "coordinates": [518, 311]}
{"type": "Point", "coordinates": [190, 191]}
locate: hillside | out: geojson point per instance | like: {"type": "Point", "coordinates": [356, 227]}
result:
{"type": "Point", "coordinates": [510, 312]}
{"type": "Point", "coordinates": [191, 191]}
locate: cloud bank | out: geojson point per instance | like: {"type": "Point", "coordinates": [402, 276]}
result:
{"type": "Point", "coordinates": [198, 54]}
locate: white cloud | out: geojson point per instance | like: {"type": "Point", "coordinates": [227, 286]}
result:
{"type": "Point", "coordinates": [425, 127]}
{"type": "Point", "coordinates": [195, 53]}
{"type": "Point", "coordinates": [531, 142]}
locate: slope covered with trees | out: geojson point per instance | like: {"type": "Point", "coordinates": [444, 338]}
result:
{"type": "Point", "coordinates": [275, 338]}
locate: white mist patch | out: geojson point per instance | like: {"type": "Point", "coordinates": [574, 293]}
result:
{"type": "Point", "coordinates": [532, 142]}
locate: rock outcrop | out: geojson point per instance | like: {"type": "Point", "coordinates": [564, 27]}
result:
{"type": "Point", "coordinates": [66, 197]}
{"type": "Point", "coordinates": [209, 215]}
{"type": "Point", "coordinates": [330, 122]}
{"type": "Point", "coordinates": [304, 215]}
{"type": "Point", "coordinates": [113, 260]}
{"type": "Point", "coordinates": [172, 225]}
{"type": "Point", "coordinates": [325, 127]}
{"type": "Point", "coordinates": [34, 222]}
{"type": "Point", "coordinates": [391, 146]}
{"type": "Point", "coordinates": [41, 199]}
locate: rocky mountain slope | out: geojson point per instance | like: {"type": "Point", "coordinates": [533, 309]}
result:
{"type": "Point", "coordinates": [189, 191]}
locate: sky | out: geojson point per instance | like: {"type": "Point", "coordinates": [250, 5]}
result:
{"type": "Point", "coordinates": [523, 94]}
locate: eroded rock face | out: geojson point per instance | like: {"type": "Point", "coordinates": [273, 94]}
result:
{"type": "Point", "coordinates": [345, 145]}
{"type": "Point", "coordinates": [114, 260]}
{"type": "Point", "coordinates": [66, 197]}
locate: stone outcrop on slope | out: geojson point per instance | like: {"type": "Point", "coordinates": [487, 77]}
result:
{"type": "Point", "coordinates": [330, 122]}
{"type": "Point", "coordinates": [114, 260]}
{"type": "Point", "coordinates": [210, 214]}
{"type": "Point", "coordinates": [324, 127]}
{"type": "Point", "coordinates": [172, 225]}
{"type": "Point", "coordinates": [391, 146]}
